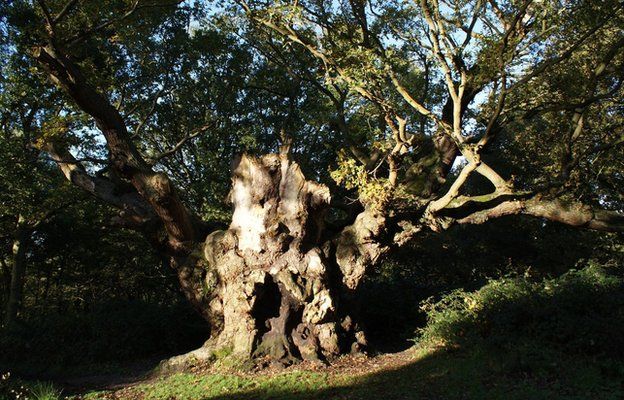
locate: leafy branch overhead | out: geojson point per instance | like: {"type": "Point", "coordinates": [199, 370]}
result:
{"type": "Point", "coordinates": [480, 56]}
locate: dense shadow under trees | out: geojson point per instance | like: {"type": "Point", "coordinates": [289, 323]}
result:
{"type": "Point", "coordinates": [110, 327]}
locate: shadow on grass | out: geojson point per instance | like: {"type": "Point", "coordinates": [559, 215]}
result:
{"type": "Point", "coordinates": [105, 377]}
{"type": "Point", "coordinates": [514, 338]}
{"type": "Point", "coordinates": [109, 346]}
{"type": "Point", "coordinates": [478, 373]}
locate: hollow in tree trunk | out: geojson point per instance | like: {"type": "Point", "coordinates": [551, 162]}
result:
{"type": "Point", "coordinates": [271, 284]}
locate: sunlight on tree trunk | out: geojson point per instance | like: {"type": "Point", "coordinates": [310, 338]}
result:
{"type": "Point", "coordinates": [275, 288]}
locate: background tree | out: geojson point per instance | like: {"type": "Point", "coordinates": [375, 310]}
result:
{"type": "Point", "coordinates": [32, 194]}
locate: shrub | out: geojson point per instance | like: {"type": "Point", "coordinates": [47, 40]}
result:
{"type": "Point", "coordinates": [44, 391]}
{"type": "Point", "coordinates": [581, 311]}
{"type": "Point", "coordinates": [10, 389]}
{"type": "Point", "coordinates": [15, 389]}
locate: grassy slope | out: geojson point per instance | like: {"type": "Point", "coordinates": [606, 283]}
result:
{"type": "Point", "coordinates": [427, 374]}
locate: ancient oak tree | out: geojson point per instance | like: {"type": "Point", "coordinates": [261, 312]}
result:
{"type": "Point", "coordinates": [426, 114]}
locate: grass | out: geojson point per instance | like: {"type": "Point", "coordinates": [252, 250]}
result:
{"type": "Point", "coordinates": [17, 389]}
{"type": "Point", "coordinates": [528, 371]}
{"type": "Point", "coordinates": [189, 386]}
{"type": "Point", "coordinates": [431, 374]}
{"type": "Point", "coordinates": [43, 391]}
{"type": "Point", "coordinates": [476, 373]}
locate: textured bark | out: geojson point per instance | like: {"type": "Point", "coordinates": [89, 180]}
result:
{"type": "Point", "coordinates": [268, 284]}
{"type": "Point", "coordinates": [135, 212]}
{"type": "Point", "coordinates": [272, 286]}
{"type": "Point", "coordinates": [569, 213]}
{"type": "Point", "coordinates": [154, 187]}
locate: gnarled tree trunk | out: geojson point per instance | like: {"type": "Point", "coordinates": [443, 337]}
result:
{"type": "Point", "coordinates": [272, 285]}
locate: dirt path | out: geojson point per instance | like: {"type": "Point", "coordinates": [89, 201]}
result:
{"type": "Point", "coordinates": [140, 373]}
{"type": "Point", "coordinates": [349, 364]}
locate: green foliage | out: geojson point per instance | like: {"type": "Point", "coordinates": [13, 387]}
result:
{"type": "Point", "coordinates": [580, 312]}
{"type": "Point", "coordinates": [374, 192]}
{"type": "Point", "coordinates": [17, 389]}
{"type": "Point", "coordinates": [466, 258]}
{"type": "Point", "coordinates": [171, 71]}
{"type": "Point", "coordinates": [44, 391]}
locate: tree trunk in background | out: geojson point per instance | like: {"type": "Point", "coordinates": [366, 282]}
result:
{"type": "Point", "coordinates": [270, 284]}
{"type": "Point", "coordinates": [22, 235]}
{"type": "Point", "coordinates": [6, 280]}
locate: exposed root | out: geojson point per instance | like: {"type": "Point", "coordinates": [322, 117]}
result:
{"type": "Point", "coordinates": [184, 362]}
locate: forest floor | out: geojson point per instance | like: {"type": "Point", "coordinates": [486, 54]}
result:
{"type": "Point", "coordinates": [525, 341]}
{"type": "Point", "coordinates": [417, 373]}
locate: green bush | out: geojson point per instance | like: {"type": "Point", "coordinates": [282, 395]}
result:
{"type": "Point", "coordinates": [44, 391]}
{"type": "Point", "coordinates": [579, 312]}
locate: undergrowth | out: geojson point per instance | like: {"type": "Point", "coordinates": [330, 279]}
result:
{"type": "Point", "coordinates": [580, 312]}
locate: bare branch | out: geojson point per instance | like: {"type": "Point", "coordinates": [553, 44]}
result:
{"type": "Point", "coordinates": [573, 214]}
{"type": "Point", "coordinates": [68, 6]}
{"type": "Point", "coordinates": [149, 113]}
{"type": "Point", "coordinates": [157, 189]}
{"type": "Point", "coordinates": [179, 144]}
{"type": "Point", "coordinates": [133, 207]}
{"type": "Point", "coordinates": [539, 69]}
{"type": "Point", "coordinates": [47, 17]}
